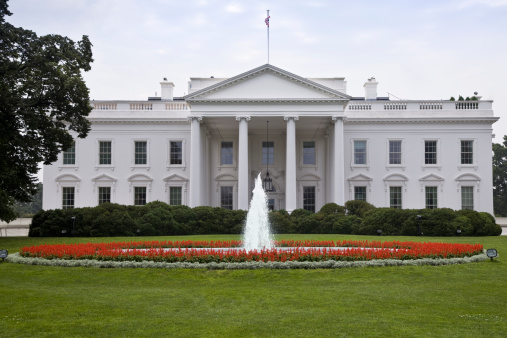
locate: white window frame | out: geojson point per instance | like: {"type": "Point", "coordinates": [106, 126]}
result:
{"type": "Point", "coordinates": [140, 180]}
{"type": "Point", "coordinates": [301, 151]}
{"type": "Point", "coordinates": [474, 164]}
{"type": "Point", "coordinates": [183, 164]}
{"type": "Point", "coordinates": [97, 192]}
{"type": "Point", "coordinates": [469, 180]}
{"type": "Point", "coordinates": [352, 154]}
{"type": "Point", "coordinates": [402, 165]}
{"type": "Point", "coordinates": [438, 165]}
{"type": "Point", "coordinates": [360, 181]}
{"type": "Point", "coordinates": [104, 180]}
{"type": "Point", "coordinates": [432, 180]}
{"type": "Point", "coordinates": [274, 152]}
{"type": "Point", "coordinates": [74, 166]}
{"type": "Point", "coordinates": [133, 154]}
{"type": "Point", "coordinates": [309, 180]}
{"type": "Point", "coordinates": [68, 181]}
{"type": "Point", "coordinates": [219, 161]}
{"type": "Point", "coordinates": [396, 180]}
{"type": "Point", "coordinates": [176, 180]}
{"type": "Point", "coordinates": [97, 154]}
{"type": "Point", "coordinates": [226, 180]}
{"type": "Point", "coordinates": [438, 195]}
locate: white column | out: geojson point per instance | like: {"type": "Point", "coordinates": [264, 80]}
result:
{"type": "Point", "coordinates": [195, 161]}
{"type": "Point", "coordinates": [290, 166]}
{"type": "Point", "coordinates": [243, 189]}
{"type": "Point", "coordinates": [338, 162]}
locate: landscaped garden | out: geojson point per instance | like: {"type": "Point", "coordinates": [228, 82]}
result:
{"type": "Point", "coordinates": [452, 300]}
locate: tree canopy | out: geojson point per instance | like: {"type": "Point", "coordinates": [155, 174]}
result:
{"type": "Point", "coordinates": [43, 98]}
{"type": "Point", "coordinates": [500, 177]}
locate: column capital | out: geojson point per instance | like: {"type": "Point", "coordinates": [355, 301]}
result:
{"type": "Point", "coordinates": [334, 119]}
{"type": "Point", "coordinates": [247, 118]}
{"type": "Point", "coordinates": [288, 117]}
{"type": "Point", "coordinates": [198, 118]}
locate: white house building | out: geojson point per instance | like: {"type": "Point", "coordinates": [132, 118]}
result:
{"type": "Point", "coordinates": [318, 144]}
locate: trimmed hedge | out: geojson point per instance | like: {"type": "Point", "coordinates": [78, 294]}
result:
{"type": "Point", "coordinates": [356, 217]}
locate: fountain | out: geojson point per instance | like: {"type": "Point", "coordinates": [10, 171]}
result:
{"type": "Point", "coordinates": [257, 233]}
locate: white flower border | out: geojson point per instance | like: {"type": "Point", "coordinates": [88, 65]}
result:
{"type": "Point", "coordinates": [330, 264]}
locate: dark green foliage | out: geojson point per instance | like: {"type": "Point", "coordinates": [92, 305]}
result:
{"type": "Point", "coordinates": [346, 225]}
{"type": "Point", "coordinates": [158, 222]}
{"type": "Point", "coordinates": [28, 209]}
{"type": "Point", "coordinates": [461, 98]}
{"type": "Point", "coordinates": [452, 98]}
{"type": "Point", "coordinates": [358, 208]}
{"type": "Point", "coordinates": [280, 222]}
{"type": "Point", "coordinates": [42, 97]}
{"type": "Point", "coordinates": [332, 208]}
{"type": "Point", "coordinates": [116, 223]}
{"type": "Point", "coordinates": [433, 222]}
{"type": "Point", "coordinates": [500, 178]}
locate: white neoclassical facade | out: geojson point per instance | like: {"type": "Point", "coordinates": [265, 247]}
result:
{"type": "Point", "coordinates": [318, 144]}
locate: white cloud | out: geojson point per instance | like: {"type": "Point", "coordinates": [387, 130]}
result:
{"type": "Point", "coordinates": [487, 3]}
{"type": "Point", "coordinates": [234, 8]}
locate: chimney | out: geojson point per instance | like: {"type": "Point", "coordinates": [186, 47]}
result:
{"type": "Point", "coordinates": [370, 89]}
{"type": "Point", "coordinates": [167, 90]}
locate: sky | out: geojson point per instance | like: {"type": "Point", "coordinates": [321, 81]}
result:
{"type": "Point", "coordinates": [427, 50]}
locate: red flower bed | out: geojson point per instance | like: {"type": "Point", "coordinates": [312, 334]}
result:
{"type": "Point", "coordinates": [230, 251]}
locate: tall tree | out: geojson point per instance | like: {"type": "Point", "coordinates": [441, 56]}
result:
{"type": "Point", "coordinates": [42, 97]}
{"type": "Point", "coordinates": [500, 178]}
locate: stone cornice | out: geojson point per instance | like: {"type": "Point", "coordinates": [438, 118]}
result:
{"type": "Point", "coordinates": [137, 121]}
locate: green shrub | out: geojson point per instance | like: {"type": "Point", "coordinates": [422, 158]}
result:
{"type": "Point", "coordinates": [116, 223]}
{"type": "Point", "coordinates": [158, 221]}
{"type": "Point", "coordinates": [332, 208]}
{"type": "Point", "coordinates": [346, 224]}
{"type": "Point", "coordinates": [358, 208]}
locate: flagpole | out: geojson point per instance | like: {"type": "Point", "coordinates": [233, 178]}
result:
{"type": "Point", "coordinates": [268, 33]}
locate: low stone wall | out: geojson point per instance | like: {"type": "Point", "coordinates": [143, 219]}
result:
{"type": "Point", "coordinates": [502, 221]}
{"type": "Point", "coordinates": [18, 227]}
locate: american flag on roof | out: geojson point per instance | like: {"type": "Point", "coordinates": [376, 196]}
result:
{"type": "Point", "coordinates": [267, 20]}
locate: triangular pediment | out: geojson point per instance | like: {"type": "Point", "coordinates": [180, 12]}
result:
{"type": "Point", "coordinates": [266, 83]}
{"type": "Point", "coordinates": [431, 177]}
{"type": "Point", "coordinates": [360, 177]}
{"type": "Point", "coordinates": [175, 178]}
{"type": "Point", "coordinates": [104, 178]}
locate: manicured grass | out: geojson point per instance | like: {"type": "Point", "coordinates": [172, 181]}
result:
{"type": "Point", "coordinates": [459, 300]}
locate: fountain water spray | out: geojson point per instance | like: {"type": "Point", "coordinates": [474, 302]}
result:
{"type": "Point", "coordinates": [257, 231]}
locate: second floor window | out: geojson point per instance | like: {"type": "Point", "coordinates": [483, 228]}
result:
{"type": "Point", "coordinates": [268, 152]}
{"type": "Point", "coordinates": [467, 152]}
{"type": "Point", "coordinates": [105, 152]}
{"type": "Point", "coordinates": [430, 152]}
{"type": "Point", "coordinates": [226, 153]}
{"type": "Point", "coordinates": [69, 155]}
{"type": "Point", "coordinates": [394, 152]}
{"type": "Point", "coordinates": [359, 152]}
{"type": "Point", "coordinates": [176, 156]}
{"type": "Point", "coordinates": [309, 152]}
{"type": "Point", "coordinates": [140, 152]}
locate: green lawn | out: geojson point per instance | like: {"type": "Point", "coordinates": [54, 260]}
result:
{"type": "Point", "coordinates": [458, 300]}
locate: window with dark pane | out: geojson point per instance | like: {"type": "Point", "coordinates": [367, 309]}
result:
{"type": "Point", "coordinates": [268, 152]}
{"type": "Point", "coordinates": [104, 195]}
{"type": "Point", "coordinates": [359, 152]}
{"type": "Point", "coordinates": [139, 195]}
{"type": "Point", "coordinates": [175, 195]}
{"type": "Point", "coordinates": [309, 198]}
{"type": "Point", "coordinates": [141, 152]}
{"type": "Point", "coordinates": [176, 152]}
{"type": "Point", "coordinates": [431, 197]}
{"type": "Point", "coordinates": [467, 198]}
{"type": "Point", "coordinates": [226, 197]}
{"type": "Point", "coordinates": [68, 197]}
{"type": "Point", "coordinates": [360, 193]}
{"type": "Point", "coordinates": [105, 152]}
{"type": "Point", "coordinates": [430, 152]}
{"type": "Point", "coordinates": [467, 152]}
{"type": "Point", "coordinates": [395, 197]}
{"type": "Point", "coordinates": [69, 155]}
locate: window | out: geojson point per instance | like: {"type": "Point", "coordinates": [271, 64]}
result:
{"type": "Point", "coordinates": [140, 152]}
{"type": "Point", "coordinates": [268, 152]}
{"type": "Point", "coordinates": [467, 152]}
{"type": "Point", "coordinates": [360, 193]}
{"type": "Point", "coordinates": [226, 155]}
{"type": "Point", "coordinates": [309, 152]}
{"type": "Point", "coordinates": [309, 198]}
{"type": "Point", "coordinates": [175, 195]}
{"type": "Point", "coordinates": [271, 204]}
{"type": "Point", "coordinates": [430, 152]}
{"type": "Point", "coordinates": [394, 152]}
{"type": "Point", "coordinates": [68, 197]}
{"type": "Point", "coordinates": [105, 152]}
{"type": "Point", "coordinates": [226, 197]}
{"type": "Point", "coordinates": [176, 155]}
{"type": "Point", "coordinates": [431, 198]}
{"type": "Point", "coordinates": [359, 152]}
{"type": "Point", "coordinates": [395, 197]}
{"type": "Point", "coordinates": [467, 198]}
{"type": "Point", "coordinates": [69, 155]}
{"type": "Point", "coordinates": [139, 195]}
{"type": "Point", "coordinates": [104, 195]}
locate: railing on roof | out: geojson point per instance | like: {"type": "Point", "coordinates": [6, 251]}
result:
{"type": "Point", "coordinates": [141, 106]}
{"type": "Point", "coordinates": [467, 105]}
{"type": "Point", "coordinates": [176, 106]}
{"type": "Point", "coordinates": [104, 106]}
{"type": "Point", "coordinates": [418, 105]}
